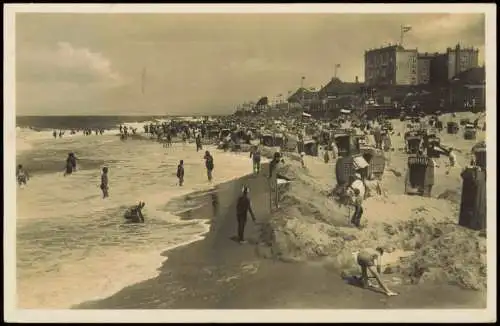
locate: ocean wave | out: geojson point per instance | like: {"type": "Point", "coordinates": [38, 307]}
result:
{"type": "Point", "coordinates": [73, 246]}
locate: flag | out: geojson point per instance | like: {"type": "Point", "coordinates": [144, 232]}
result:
{"type": "Point", "coordinates": [337, 65]}
{"type": "Point", "coordinates": [405, 28]}
{"type": "Point", "coordinates": [303, 77]}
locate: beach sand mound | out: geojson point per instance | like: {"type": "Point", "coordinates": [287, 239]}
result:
{"type": "Point", "coordinates": [456, 255]}
{"type": "Point", "coordinates": [424, 242]}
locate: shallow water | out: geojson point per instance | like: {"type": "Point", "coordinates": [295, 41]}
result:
{"type": "Point", "coordinates": [72, 245]}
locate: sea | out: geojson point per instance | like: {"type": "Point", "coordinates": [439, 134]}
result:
{"type": "Point", "coordinates": [73, 245]}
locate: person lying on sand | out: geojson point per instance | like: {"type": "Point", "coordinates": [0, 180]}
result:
{"type": "Point", "coordinates": [134, 213]}
{"type": "Point", "coordinates": [367, 259]}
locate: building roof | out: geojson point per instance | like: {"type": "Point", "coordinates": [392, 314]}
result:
{"type": "Point", "coordinates": [472, 76]}
{"type": "Point", "coordinates": [386, 48]}
{"type": "Point", "coordinates": [302, 93]}
{"type": "Point", "coordinates": [338, 87]}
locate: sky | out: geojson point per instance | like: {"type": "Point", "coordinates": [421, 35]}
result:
{"type": "Point", "coordinates": [93, 64]}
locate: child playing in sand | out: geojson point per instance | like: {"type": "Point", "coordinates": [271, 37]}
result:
{"type": "Point", "coordinates": [367, 259]}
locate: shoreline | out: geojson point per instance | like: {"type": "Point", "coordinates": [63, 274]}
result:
{"type": "Point", "coordinates": [154, 254]}
{"type": "Point", "coordinates": [217, 273]}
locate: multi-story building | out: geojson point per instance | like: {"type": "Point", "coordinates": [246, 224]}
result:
{"type": "Point", "coordinates": [445, 66]}
{"type": "Point", "coordinates": [461, 59]}
{"type": "Point", "coordinates": [424, 68]}
{"type": "Point", "coordinates": [391, 65]}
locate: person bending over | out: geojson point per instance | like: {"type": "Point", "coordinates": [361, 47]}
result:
{"type": "Point", "coordinates": [368, 259]}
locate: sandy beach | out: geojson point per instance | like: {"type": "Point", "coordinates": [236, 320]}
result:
{"type": "Point", "coordinates": [296, 255]}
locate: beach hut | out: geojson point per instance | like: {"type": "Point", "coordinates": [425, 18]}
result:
{"type": "Point", "coordinates": [470, 132]}
{"type": "Point", "coordinates": [376, 162]}
{"type": "Point", "coordinates": [347, 166]}
{"type": "Point", "coordinates": [452, 127]}
{"type": "Point", "coordinates": [311, 147]}
{"type": "Point", "coordinates": [346, 143]}
{"type": "Point", "coordinates": [224, 133]}
{"type": "Point", "coordinates": [279, 139]}
{"type": "Point", "coordinates": [291, 143]}
{"type": "Point", "coordinates": [267, 139]}
{"type": "Point", "coordinates": [413, 141]}
{"type": "Point", "coordinates": [464, 122]}
{"type": "Point", "coordinates": [213, 133]}
{"type": "Point", "coordinates": [473, 202]}
{"type": "Point", "coordinates": [479, 152]}
{"type": "Point", "coordinates": [324, 137]}
{"type": "Point", "coordinates": [420, 175]}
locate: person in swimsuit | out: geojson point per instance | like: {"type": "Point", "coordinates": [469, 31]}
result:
{"type": "Point", "coordinates": [104, 182]}
{"type": "Point", "coordinates": [180, 173]}
{"type": "Point", "coordinates": [21, 175]}
{"type": "Point", "coordinates": [367, 259]}
{"type": "Point", "coordinates": [256, 157]}
{"type": "Point", "coordinates": [134, 213]}
{"type": "Point", "coordinates": [243, 207]}
{"type": "Point", "coordinates": [209, 164]}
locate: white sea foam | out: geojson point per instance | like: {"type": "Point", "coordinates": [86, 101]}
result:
{"type": "Point", "coordinates": [72, 245]}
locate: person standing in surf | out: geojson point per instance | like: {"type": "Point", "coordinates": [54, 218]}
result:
{"type": "Point", "coordinates": [180, 173]}
{"type": "Point", "coordinates": [243, 207]}
{"type": "Point", "coordinates": [70, 164]}
{"type": "Point", "coordinates": [104, 183]}
{"type": "Point", "coordinates": [21, 175]}
{"type": "Point", "coordinates": [209, 164]}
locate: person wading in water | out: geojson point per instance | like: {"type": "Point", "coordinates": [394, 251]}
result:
{"type": "Point", "coordinates": [243, 207]}
{"type": "Point", "coordinates": [134, 213]}
{"type": "Point", "coordinates": [180, 173]}
{"type": "Point", "coordinates": [22, 176]}
{"type": "Point", "coordinates": [104, 183]}
{"type": "Point", "coordinates": [209, 164]}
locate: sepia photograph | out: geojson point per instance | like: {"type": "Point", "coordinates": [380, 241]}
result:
{"type": "Point", "coordinates": [250, 162]}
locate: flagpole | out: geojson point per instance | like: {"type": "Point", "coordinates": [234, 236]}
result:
{"type": "Point", "coordinates": [402, 35]}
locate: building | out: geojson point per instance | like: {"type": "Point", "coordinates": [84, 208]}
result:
{"type": "Point", "coordinates": [424, 68]}
{"type": "Point", "coordinates": [468, 90]}
{"type": "Point", "coordinates": [391, 65]}
{"type": "Point", "coordinates": [337, 95]}
{"type": "Point", "coordinates": [447, 65]}
{"type": "Point", "coordinates": [303, 96]}
{"type": "Point", "coordinates": [461, 59]}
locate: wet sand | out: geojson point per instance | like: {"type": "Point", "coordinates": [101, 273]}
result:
{"type": "Point", "coordinates": [218, 273]}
